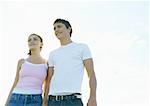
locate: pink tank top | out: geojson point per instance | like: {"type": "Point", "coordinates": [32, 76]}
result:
{"type": "Point", "coordinates": [31, 78]}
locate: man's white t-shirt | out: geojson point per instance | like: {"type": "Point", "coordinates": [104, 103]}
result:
{"type": "Point", "coordinates": [68, 68]}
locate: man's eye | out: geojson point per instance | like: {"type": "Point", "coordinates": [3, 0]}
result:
{"type": "Point", "coordinates": [59, 26]}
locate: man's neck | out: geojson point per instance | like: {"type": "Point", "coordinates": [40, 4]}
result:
{"type": "Point", "coordinates": [65, 41]}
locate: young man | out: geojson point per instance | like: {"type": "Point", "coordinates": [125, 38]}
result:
{"type": "Point", "coordinates": [65, 73]}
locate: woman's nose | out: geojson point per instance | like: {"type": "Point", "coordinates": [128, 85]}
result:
{"type": "Point", "coordinates": [32, 40]}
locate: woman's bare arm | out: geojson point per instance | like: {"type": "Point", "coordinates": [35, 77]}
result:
{"type": "Point", "coordinates": [20, 62]}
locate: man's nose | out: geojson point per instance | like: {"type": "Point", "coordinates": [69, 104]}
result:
{"type": "Point", "coordinates": [56, 30]}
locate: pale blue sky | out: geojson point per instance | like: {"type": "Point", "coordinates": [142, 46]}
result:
{"type": "Point", "coordinates": [115, 31]}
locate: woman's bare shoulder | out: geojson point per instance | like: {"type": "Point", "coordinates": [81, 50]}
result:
{"type": "Point", "coordinates": [21, 61]}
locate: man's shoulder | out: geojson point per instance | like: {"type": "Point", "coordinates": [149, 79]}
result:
{"type": "Point", "coordinates": [54, 51]}
{"type": "Point", "coordinates": [82, 45]}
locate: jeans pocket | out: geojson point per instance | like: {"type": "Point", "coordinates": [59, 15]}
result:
{"type": "Point", "coordinates": [76, 102]}
{"type": "Point", "coordinates": [50, 103]}
{"type": "Point", "coordinates": [13, 98]}
{"type": "Point", "coordinates": [37, 99]}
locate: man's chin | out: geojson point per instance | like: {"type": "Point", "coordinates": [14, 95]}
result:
{"type": "Point", "coordinates": [59, 37]}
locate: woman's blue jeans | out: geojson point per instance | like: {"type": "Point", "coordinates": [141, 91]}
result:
{"type": "Point", "coordinates": [25, 100]}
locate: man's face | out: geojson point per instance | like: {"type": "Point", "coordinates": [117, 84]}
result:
{"type": "Point", "coordinates": [61, 31]}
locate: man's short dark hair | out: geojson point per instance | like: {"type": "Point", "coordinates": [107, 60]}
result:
{"type": "Point", "coordinates": [65, 22]}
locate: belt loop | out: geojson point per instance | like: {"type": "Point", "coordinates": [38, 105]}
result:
{"type": "Point", "coordinates": [56, 97]}
{"type": "Point", "coordinates": [59, 97]}
{"type": "Point", "coordinates": [62, 98]}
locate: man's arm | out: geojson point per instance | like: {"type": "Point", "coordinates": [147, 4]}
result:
{"type": "Point", "coordinates": [47, 84]}
{"type": "Point", "coordinates": [88, 63]}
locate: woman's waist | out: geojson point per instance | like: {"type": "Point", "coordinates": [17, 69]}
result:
{"type": "Point", "coordinates": [27, 90]}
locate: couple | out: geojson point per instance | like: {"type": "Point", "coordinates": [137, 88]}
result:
{"type": "Point", "coordinates": [61, 75]}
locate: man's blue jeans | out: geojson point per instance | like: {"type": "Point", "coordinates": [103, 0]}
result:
{"type": "Point", "coordinates": [25, 100]}
{"type": "Point", "coordinates": [68, 101]}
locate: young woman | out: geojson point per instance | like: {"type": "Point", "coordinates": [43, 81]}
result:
{"type": "Point", "coordinates": [30, 76]}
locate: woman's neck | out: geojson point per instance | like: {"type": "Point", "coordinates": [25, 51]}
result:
{"type": "Point", "coordinates": [35, 54]}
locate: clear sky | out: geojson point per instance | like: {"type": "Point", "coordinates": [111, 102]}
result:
{"type": "Point", "coordinates": [115, 31]}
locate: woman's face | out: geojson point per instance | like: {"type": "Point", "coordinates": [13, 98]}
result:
{"type": "Point", "coordinates": [34, 42]}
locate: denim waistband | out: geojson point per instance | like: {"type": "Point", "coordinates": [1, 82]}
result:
{"type": "Point", "coordinates": [64, 97]}
{"type": "Point", "coordinates": [27, 96]}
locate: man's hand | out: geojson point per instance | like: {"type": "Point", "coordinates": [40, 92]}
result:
{"type": "Point", "coordinates": [92, 101]}
{"type": "Point", "coordinates": [44, 102]}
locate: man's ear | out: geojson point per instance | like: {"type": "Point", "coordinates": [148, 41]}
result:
{"type": "Point", "coordinates": [69, 28]}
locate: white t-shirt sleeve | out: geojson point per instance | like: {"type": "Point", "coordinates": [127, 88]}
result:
{"type": "Point", "coordinates": [86, 53]}
{"type": "Point", "coordinates": [50, 61]}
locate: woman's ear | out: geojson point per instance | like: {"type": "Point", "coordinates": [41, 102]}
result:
{"type": "Point", "coordinates": [69, 29]}
{"type": "Point", "coordinates": [41, 45]}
